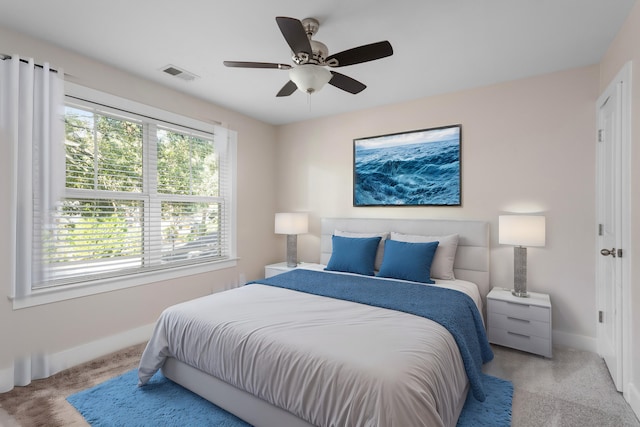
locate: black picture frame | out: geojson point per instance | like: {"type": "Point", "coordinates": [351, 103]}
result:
{"type": "Point", "coordinates": [413, 168]}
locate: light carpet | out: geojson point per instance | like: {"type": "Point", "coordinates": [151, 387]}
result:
{"type": "Point", "coordinates": [119, 401]}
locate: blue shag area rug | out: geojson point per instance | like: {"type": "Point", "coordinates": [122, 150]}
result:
{"type": "Point", "coordinates": [120, 402]}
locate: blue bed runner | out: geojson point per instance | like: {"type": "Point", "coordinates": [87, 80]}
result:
{"type": "Point", "coordinates": [454, 310]}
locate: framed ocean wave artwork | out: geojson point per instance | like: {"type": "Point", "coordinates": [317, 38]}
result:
{"type": "Point", "coordinates": [414, 168]}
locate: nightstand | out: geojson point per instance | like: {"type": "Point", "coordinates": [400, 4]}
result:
{"type": "Point", "coordinates": [520, 323]}
{"type": "Point", "coordinates": [281, 267]}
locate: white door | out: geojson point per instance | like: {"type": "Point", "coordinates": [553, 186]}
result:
{"type": "Point", "coordinates": [609, 207]}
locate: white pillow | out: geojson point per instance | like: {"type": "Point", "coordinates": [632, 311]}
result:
{"type": "Point", "coordinates": [442, 265]}
{"type": "Point", "coordinates": [379, 253]}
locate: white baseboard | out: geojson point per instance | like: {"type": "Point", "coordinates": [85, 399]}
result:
{"type": "Point", "coordinates": [94, 349]}
{"type": "Point", "coordinates": [51, 364]}
{"type": "Point", "coordinates": [579, 342]}
{"type": "Point", "coordinates": [632, 396]}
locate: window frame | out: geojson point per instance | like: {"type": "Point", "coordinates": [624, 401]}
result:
{"type": "Point", "coordinates": [95, 286]}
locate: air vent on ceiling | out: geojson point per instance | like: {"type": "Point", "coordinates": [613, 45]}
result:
{"type": "Point", "coordinates": [179, 72]}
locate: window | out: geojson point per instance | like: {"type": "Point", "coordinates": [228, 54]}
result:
{"type": "Point", "coordinates": [143, 194]}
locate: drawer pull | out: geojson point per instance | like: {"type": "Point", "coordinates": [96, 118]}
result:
{"type": "Point", "coordinates": [517, 303]}
{"type": "Point", "coordinates": [519, 320]}
{"type": "Point", "coordinates": [520, 335]}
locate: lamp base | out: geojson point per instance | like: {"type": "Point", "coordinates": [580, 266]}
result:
{"type": "Point", "coordinates": [520, 272]}
{"type": "Point", "coordinates": [292, 250]}
{"type": "Point", "coordinates": [523, 294]}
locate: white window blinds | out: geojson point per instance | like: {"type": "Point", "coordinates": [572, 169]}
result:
{"type": "Point", "coordinates": [141, 194]}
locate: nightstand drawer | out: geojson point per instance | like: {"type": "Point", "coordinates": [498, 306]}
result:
{"type": "Point", "coordinates": [519, 310]}
{"type": "Point", "coordinates": [520, 326]}
{"type": "Point", "coordinates": [522, 342]}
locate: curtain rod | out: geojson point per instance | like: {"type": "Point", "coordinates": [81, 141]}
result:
{"type": "Point", "coordinates": [4, 56]}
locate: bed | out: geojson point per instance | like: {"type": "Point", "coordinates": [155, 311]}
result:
{"type": "Point", "coordinates": [294, 350]}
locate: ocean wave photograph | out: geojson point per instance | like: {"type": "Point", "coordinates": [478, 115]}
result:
{"type": "Point", "coordinates": [418, 168]}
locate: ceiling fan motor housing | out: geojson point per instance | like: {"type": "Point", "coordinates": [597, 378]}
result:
{"type": "Point", "coordinates": [319, 50]}
{"type": "Point", "coordinates": [320, 53]}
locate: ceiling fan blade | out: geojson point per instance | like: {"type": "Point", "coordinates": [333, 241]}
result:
{"type": "Point", "coordinates": [244, 64]}
{"type": "Point", "coordinates": [294, 34]}
{"type": "Point", "coordinates": [357, 55]}
{"type": "Point", "coordinates": [287, 89]}
{"type": "Point", "coordinates": [346, 83]}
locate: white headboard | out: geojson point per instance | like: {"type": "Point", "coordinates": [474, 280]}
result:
{"type": "Point", "coordinates": [472, 257]}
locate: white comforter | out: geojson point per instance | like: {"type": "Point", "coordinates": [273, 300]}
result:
{"type": "Point", "coordinates": [330, 362]}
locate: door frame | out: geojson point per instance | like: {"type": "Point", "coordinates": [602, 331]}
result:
{"type": "Point", "coordinates": [623, 78]}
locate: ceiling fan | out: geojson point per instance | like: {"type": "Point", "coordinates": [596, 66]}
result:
{"type": "Point", "coordinates": [311, 58]}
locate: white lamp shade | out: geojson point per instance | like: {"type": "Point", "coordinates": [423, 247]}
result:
{"type": "Point", "coordinates": [521, 230]}
{"type": "Point", "coordinates": [291, 223]}
{"type": "Point", "coordinates": [310, 78]}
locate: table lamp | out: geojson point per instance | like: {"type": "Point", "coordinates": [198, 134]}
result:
{"type": "Point", "coordinates": [521, 231]}
{"type": "Point", "coordinates": [292, 224]}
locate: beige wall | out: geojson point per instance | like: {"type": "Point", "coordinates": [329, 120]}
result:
{"type": "Point", "coordinates": [63, 325]}
{"type": "Point", "coordinates": [626, 47]}
{"type": "Point", "coordinates": [528, 146]}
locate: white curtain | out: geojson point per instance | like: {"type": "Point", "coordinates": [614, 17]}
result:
{"type": "Point", "coordinates": [32, 136]}
{"type": "Point", "coordinates": [31, 119]}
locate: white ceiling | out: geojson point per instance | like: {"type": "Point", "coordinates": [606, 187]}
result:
{"type": "Point", "coordinates": [439, 45]}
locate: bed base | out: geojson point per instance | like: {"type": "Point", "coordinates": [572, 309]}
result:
{"type": "Point", "coordinates": [246, 406]}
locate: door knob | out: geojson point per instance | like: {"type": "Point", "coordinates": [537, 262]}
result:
{"type": "Point", "coordinates": [607, 252]}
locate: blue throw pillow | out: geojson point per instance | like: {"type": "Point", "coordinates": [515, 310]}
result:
{"type": "Point", "coordinates": [353, 254]}
{"type": "Point", "coordinates": [408, 261]}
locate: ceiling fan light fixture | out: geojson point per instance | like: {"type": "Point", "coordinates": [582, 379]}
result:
{"type": "Point", "coordinates": [310, 78]}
